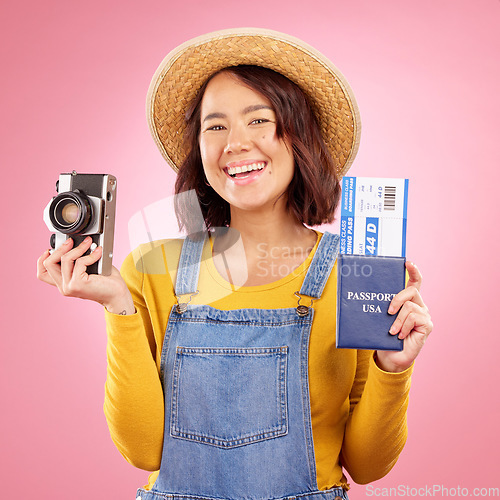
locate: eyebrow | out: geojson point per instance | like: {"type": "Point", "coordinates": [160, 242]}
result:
{"type": "Point", "coordinates": [256, 107]}
{"type": "Point", "coordinates": [248, 109]}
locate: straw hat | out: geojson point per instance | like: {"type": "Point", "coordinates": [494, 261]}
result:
{"type": "Point", "coordinates": [183, 71]}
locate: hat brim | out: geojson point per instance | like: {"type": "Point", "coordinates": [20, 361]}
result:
{"type": "Point", "coordinates": [184, 70]}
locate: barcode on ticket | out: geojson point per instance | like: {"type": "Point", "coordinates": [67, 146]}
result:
{"type": "Point", "coordinates": [389, 197]}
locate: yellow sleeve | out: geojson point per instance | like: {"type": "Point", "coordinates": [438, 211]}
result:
{"type": "Point", "coordinates": [133, 403]}
{"type": "Point", "coordinates": [376, 428]}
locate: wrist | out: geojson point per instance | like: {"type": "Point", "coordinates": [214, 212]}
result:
{"type": "Point", "coordinates": [388, 366]}
{"type": "Point", "coordinates": [123, 305]}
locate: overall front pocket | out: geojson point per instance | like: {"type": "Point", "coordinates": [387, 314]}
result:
{"type": "Point", "coordinates": [229, 397]}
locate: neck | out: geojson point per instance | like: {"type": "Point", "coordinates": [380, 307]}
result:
{"type": "Point", "coordinates": [268, 241]}
{"type": "Point", "coordinates": [276, 228]}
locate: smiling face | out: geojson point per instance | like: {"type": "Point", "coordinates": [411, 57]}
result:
{"type": "Point", "coordinates": [244, 160]}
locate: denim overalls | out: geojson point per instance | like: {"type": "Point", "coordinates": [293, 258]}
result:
{"type": "Point", "coordinates": [235, 383]}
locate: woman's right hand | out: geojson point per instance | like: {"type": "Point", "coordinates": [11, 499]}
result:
{"type": "Point", "coordinates": [66, 268]}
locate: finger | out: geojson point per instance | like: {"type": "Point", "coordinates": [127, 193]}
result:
{"type": "Point", "coordinates": [69, 258]}
{"type": "Point", "coordinates": [55, 256]}
{"type": "Point", "coordinates": [408, 325]}
{"type": "Point", "coordinates": [81, 264]}
{"type": "Point", "coordinates": [53, 262]}
{"type": "Point", "coordinates": [54, 259]}
{"type": "Point", "coordinates": [407, 309]}
{"type": "Point", "coordinates": [414, 276]}
{"type": "Point", "coordinates": [77, 285]}
{"type": "Point", "coordinates": [41, 272]}
{"type": "Point", "coordinates": [409, 294]}
{"type": "Point", "coordinates": [416, 323]}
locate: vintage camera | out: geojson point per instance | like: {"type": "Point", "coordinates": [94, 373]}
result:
{"type": "Point", "coordinates": [84, 206]}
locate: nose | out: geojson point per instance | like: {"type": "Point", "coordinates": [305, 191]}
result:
{"type": "Point", "coordinates": [238, 140]}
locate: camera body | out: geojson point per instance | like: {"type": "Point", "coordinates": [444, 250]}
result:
{"type": "Point", "coordinates": [84, 206]}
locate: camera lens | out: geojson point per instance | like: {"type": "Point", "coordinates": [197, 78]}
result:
{"type": "Point", "coordinates": [70, 212]}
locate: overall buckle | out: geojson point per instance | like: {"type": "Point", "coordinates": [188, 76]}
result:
{"type": "Point", "coordinates": [302, 310]}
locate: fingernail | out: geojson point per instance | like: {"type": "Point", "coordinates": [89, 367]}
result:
{"type": "Point", "coordinates": [87, 239]}
{"type": "Point", "coordinates": [391, 310]}
{"type": "Point", "coordinates": [68, 241]}
{"type": "Point", "coordinates": [392, 330]}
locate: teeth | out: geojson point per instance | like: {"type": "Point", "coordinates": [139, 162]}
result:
{"type": "Point", "coordinates": [246, 168]}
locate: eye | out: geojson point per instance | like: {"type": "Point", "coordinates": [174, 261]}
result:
{"type": "Point", "coordinates": [259, 121]}
{"type": "Point", "coordinates": [215, 128]}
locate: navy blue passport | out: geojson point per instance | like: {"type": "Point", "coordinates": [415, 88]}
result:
{"type": "Point", "coordinates": [365, 288]}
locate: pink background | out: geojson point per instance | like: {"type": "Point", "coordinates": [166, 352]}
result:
{"type": "Point", "coordinates": [74, 80]}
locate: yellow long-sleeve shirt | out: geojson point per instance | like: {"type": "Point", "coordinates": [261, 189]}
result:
{"type": "Point", "coordinates": [358, 411]}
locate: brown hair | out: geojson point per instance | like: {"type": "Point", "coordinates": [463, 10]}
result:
{"type": "Point", "coordinates": [313, 193]}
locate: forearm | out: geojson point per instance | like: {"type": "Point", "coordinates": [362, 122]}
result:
{"type": "Point", "coordinates": [376, 430]}
{"type": "Point", "coordinates": [133, 402]}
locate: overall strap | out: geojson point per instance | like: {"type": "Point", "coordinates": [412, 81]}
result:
{"type": "Point", "coordinates": [188, 270]}
{"type": "Point", "coordinates": [321, 266]}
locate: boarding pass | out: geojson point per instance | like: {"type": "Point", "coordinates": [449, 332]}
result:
{"type": "Point", "coordinates": [373, 216]}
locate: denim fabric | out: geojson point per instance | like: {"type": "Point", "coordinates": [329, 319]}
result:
{"type": "Point", "coordinates": [333, 494]}
{"type": "Point", "coordinates": [320, 268]}
{"type": "Point", "coordinates": [237, 412]}
{"type": "Point", "coordinates": [208, 422]}
{"type": "Point", "coordinates": [189, 265]}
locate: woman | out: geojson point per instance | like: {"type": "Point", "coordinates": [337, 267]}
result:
{"type": "Point", "coordinates": [223, 376]}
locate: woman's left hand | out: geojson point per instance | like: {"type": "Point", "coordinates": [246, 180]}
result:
{"type": "Point", "coordinates": [413, 324]}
